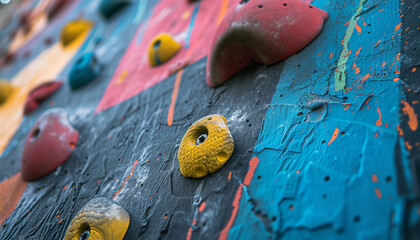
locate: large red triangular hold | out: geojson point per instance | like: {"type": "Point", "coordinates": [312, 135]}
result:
{"type": "Point", "coordinates": [50, 143]}
{"type": "Point", "coordinates": [39, 94]}
{"type": "Point", "coordinates": [263, 31]}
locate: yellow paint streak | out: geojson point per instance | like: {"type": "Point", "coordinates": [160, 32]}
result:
{"type": "Point", "coordinates": [47, 66]}
{"type": "Point", "coordinates": [340, 76]}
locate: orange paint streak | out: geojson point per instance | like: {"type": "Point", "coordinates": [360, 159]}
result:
{"type": "Point", "coordinates": [375, 178]}
{"type": "Point", "coordinates": [400, 131]}
{"type": "Point", "coordinates": [378, 193]}
{"type": "Point", "coordinates": [395, 79]}
{"type": "Point", "coordinates": [383, 64]}
{"type": "Point", "coordinates": [252, 166]}
{"type": "Point", "coordinates": [222, 12]}
{"type": "Point", "coordinates": [357, 70]}
{"type": "Point", "coordinates": [358, 29]}
{"type": "Point", "coordinates": [229, 176]}
{"type": "Point", "coordinates": [346, 108]}
{"type": "Point", "coordinates": [364, 24]}
{"type": "Point", "coordinates": [347, 55]}
{"type": "Point", "coordinates": [65, 187]}
{"type": "Point", "coordinates": [347, 23]}
{"type": "Point", "coordinates": [11, 190]}
{"type": "Point", "coordinates": [190, 230]}
{"type": "Point", "coordinates": [358, 51]}
{"type": "Point", "coordinates": [398, 56]}
{"type": "Point", "coordinates": [334, 136]}
{"type": "Point", "coordinates": [397, 27]}
{"type": "Point", "coordinates": [414, 69]}
{"type": "Point", "coordinates": [224, 233]}
{"type": "Point", "coordinates": [412, 116]}
{"type": "Point", "coordinates": [365, 77]}
{"type": "Point", "coordinates": [125, 180]}
{"type": "Point", "coordinates": [319, 53]}
{"type": "Point", "coordinates": [202, 207]}
{"type": "Point", "coordinates": [174, 97]}
{"type": "Point", "coordinates": [331, 55]}
{"type": "Point", "coordinates": [379, 121]}
{"type": "Point", "coordinates": [380, 10]}
{"type": "Point", "coordinates": [253, 163]}
{"type": "Point", "coordinates": [377, 43]}
{"type": "Point", "coordinates": [376, 134]}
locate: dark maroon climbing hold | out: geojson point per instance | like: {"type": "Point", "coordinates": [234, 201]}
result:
{"type": "Point", "coordinates": [39, 94]}
{"type": "Point", "coordinates": [263, 31]}
{"type": "Point", "coordinates": [49, 144]}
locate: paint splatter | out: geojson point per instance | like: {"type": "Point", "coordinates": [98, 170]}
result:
{"type": "Point", "coordinates": [202, 207]}
{"type": "Point", "coordinates": [379, 121]}
{"type": "Point", "coordinates": [375, 178]}
{"type": "Point", "coordinates": [365, 77]}
{"type": "Point", "coordinates": [412, 116]}
{"type": "Point", "coordinates": [378, 193]}
{"type": "Point", "coordinates": [334, 136]}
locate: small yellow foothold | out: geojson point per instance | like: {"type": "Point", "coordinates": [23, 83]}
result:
{"type": "Point", "coordinates": [205, 147]}
{"type": "Point", "coordinates": [162, 48]}
{"type": "Point", "coordinates": [5, 90]}
{"type": "Point", "coordinates": [72, 30]}
{"type": "Point", "coordinates": [99, 219]}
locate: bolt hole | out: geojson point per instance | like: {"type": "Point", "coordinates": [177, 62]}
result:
{"type": "Point", "coordinates": [291, 207]}
{"type": "Point", "coordinates": [157, 44]}
{"type": "Point", "coordinates": [342, 133]}
{"type": "Point", "coordinates": [259, 177]}
{"type": "Point", "coordinates": [274, 219]}
{"type": "Point", "coordinates": [244, 1]}
{"type": "Point", "coordinates": [249, 125]}
{"type": "Point", "coordinates": [310, 6]}
{"type": "Point", "coordinates": [344, 99]}
{"type": "Point", "coordinates": [300, 113]}
{"type": "Point", "coordinates": [209, 119]}
{"type": "Point", "coordinates": [324, 196]}
{"type": "Point", "coordinates": [260, 6]}
{"type": "Point", "coordinates": [388, 179]}
{"type": "Point", "coordinates": [36, 133]}
{"type": "Point", "coordinates": [327, 178]}
{"type": "Point", "coordinates": [298, 65]}
{"type": "Point", "coordinates": [284, 4]}
{"type": "Point", "coordinates": [323, 141]}
{"type": "Point", "coordinates": [201, 139]}
{"type": "Point", "coordinates": [356, 219]}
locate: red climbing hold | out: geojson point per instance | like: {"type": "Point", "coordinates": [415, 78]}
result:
{"type": "Point", "coordinates": [39, 94]}
{"type": "Point", "coordinates": [49, 144]}
{"type": "Point", "coordinates": [264, 31]}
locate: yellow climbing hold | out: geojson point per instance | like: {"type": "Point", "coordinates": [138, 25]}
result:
{"type": "Point", "coordinates": [73, 30]}
{"type": "Point", "coordinates": [205, 147]}
{"type": "Point", "coordinates": [162, 48]}
{"type": "Point", "coordinates": [5, 90]}
{"type": "Point", "coordinates": [99, 219]}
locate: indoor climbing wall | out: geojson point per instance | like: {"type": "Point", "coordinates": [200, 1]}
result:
{"type": "Point", "coordinates": [204, 119]}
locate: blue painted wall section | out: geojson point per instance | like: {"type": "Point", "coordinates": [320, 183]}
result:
{"type": "Point", "coordinates": [327, 166]}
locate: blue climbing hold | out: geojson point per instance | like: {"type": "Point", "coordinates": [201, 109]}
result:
{"type": "Point", "coordinates": [84, 70]}
{"type": "Point", "coordinates": [109, 7]}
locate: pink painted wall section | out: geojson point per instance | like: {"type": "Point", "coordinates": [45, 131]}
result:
{"type": "Point", "coordinates": [134, 74]}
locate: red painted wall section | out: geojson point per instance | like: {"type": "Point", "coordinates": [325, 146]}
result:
{"type": "Point", "coordinates": [185, 22]}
